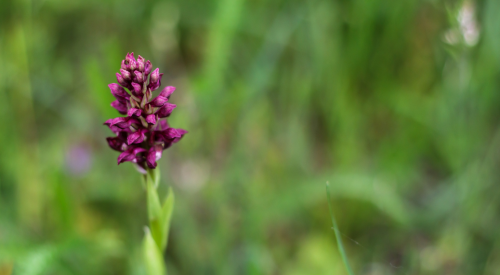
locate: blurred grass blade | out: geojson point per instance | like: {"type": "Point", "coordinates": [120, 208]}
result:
{"type": "Point", "coordinates": [153, 258]}
{"type": "Point", "coordinates": [159, 215]}
{"type": "Point", "coordinates": [337, 234]}
{"type": "Point", "coordinates": [166, 216]}
{"type": "Point", "coordinates": [154, 210]}
{"type": "Point", "coordinates": [154, 207]}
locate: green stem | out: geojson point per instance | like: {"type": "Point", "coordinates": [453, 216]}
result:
{"type": "Point", "coordinates": [337, 234]}
{"type": "Point", "coordinates": [159, 216]}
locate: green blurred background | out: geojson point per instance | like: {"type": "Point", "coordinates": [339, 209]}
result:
{"type": "Point", "coordinates": [395, 103]}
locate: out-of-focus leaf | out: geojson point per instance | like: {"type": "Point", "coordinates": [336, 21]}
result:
{"type": "Point", "coordinates": [152, 256]}
{"type": "Point", "coordinates": [36, 262]}
{"type": "Point", "coordinates": [154, 210]}
{"type": "Point", "coordinates": [159, 215]}
{"type": "Point", "coordinates": [166, 216]}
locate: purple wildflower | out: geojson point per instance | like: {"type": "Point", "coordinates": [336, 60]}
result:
{"type": "Point", "coordinates": [141, 136]}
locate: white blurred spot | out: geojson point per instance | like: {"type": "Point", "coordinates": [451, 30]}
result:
{"type": "Point", "coordinates": [467, 30]}
{"type": "Point", "coordinates": [193, 175]}
{"type": "Point", "coordinates": [468, 23]}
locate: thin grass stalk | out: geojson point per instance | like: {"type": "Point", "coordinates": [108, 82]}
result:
{"type": "Point", "coordinates": [340, 246]}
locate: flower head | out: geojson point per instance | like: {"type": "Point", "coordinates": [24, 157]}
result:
{"type": "Point", "coordinates": [142, 135]}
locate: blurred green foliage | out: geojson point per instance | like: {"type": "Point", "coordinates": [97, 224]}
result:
{"type": "Point", "coordinates": [396, 103]}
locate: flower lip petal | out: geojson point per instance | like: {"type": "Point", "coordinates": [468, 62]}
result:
{"type": "Point", "coordinates": [134, 112]}
{"type": "Point", "coordinates": [138, 150]}
{"type": "Point", "coordinates": [126, 156]}
{"type": "Point", "coordinates": [151, 119]}
{"type": "Point", "coordinates": [137, 137]}
{"type": "Point", "coordinates": [154, 154]}
{"type": "Point", "coordinates": [130, 154]}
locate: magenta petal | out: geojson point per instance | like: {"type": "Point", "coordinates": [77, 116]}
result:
{"type": "Point", "coordinates": [154, 85]}
{"type": "Point", "coordinates": [181, 132]}
{"type": "Point", "coordinates": [122, 122]}
{"type": "Point", "coordinates": [159, 101]}
{"type": "Point", "coordinates": [126, 156]}
{"type": "Point", "coordinates": [120, 107]}
{"type": "Point", "coordinates": [167, 91]}
{"type": "Point", "coordinates": [165, 110]}
{"type": "Point", "coordinates": [134, 112]}
{"type": "Point", "coordinates": [138, 150]}
{"type": "Point", "coordinates": [171, 133]}
{"type": "Point", "coordinates": [115, 143]}
{"type": "Point", "coordinates": [153, 155]}
{"type": "Point", "coordinates": [151, 119]}
{"type": "Point", "coordinates": [118, 92]}
{"type": "Point", "coordinates": [113, 121]}
{"type": "Point", "coordinates": [151, 158]}
{"type": "Point", "coordinates": [137, 137]}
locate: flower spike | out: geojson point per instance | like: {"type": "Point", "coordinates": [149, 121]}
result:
{"type": "Point", "coordinates": [143, 134]}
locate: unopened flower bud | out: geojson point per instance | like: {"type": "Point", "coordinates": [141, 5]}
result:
{"type": "Point", "coordinates": [139, 76]}
{"type": "Point", "coordinates": [155, 75]}
{"type": "Point", "coordinates": [125, 74]}
{"type": "Point", "coordinates": [124, 66]}
{"type": "Point", "coordinates": [122, 81]}
{"type": "Point", "coordinates": [128, 57]}
{"type": "Point", "coordinates": [140, 63]}
{"type": "Point", "coordinates": [137, 88]}
{"type": "Point", "coordinates": [131, 61]}
{"type": "Point", "coordinates": [132, 65]}
{"type": "Point", "coordinates": [147, 67]}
